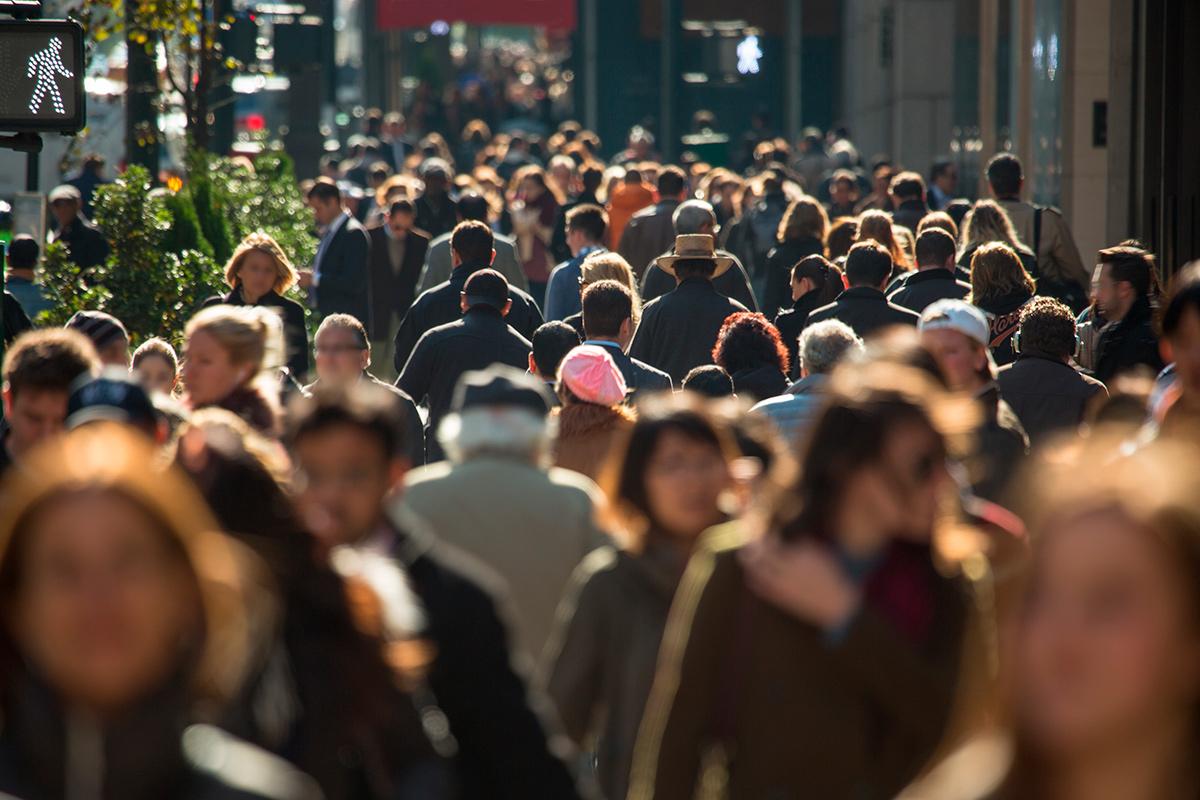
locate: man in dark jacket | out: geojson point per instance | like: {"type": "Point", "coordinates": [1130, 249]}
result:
{"type": "Point", "coordinates": [697, 216]}
{"type": "Point", "coordinates": [481, 338]}
{"type": "Point", "coordinates": [1123, 294]}
{"type": "Point", "coordinates": [907, 192]}
{"type": "Point", "coordinates": [1047, 393]}
{"type": "Point", "coordinates": [397, 256]}
{"type": "Point", "coordinates": [863, 306]}
{"type": "Point", "coordinates": [679, 329]}
{"type": "Point", "coordinates": [352, 436]}
{"type": "Point", "coordinates": [436, 213]}
{"type": "Point", "coordinates": [608, 323]}
{"type": "Point", "coordinates": [591, 177]}
{"type": "Point", "coordinates": [935, 276]}
{"type": "Point", "coordinates": [651, 231]}
{"type": "Point", "coordinates": [339, 281]}
{"type": "Point", "coordinates": [86, 244]}
{"type": "Point", "coordinates": [472, 250]}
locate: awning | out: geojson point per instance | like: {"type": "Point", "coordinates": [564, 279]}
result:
{"type": "Point", "coordinates": [553, 14]}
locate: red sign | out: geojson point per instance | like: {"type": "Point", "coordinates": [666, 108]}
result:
{"type": "Point", "coordinates": [553, 14]}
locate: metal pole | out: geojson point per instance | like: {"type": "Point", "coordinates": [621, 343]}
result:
{"type": "Point", "coordinates": [31, 171]}
{"type": "Point", "coordinates": [669, 79]}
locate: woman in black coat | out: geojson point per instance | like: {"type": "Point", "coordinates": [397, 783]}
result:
{"type": "Point", "coordinates": [259, 273]}
{"type": "Point", "coordinates": [1001, 287]}
{"type": "Point", "coordinates": [815, 283]}
{"type": "Point", "coordinates": [802, 233]}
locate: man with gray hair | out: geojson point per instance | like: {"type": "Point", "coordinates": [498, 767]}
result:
{"type": "Point", "coordinates": [697, 216]}
{"type": "Point", "coordinates": [823, 345]}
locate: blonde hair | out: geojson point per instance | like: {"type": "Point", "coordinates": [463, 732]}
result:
{"type": "Point", "coordinates": [285, 273]}
{"type": "Point", "coordinates": [804, 217]}
{"type": "Point", "coordinates": [251, 336]}
{"type": "Point", "coordinates": [612, 267]}
{"type": "Point", "coordinates": [987, 221]}
{"type": "Point", "coordinates": [156, 348]}
{"type": "Point", "coordinates": [876, 226]}
{"type": "Point", "coordinates": [995, 272]}
{"type": "Point", "coordinates": [938, 219]}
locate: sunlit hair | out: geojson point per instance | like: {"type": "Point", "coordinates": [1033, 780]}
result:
{"type": "Point", "coordinates": [156, 348]}
{"type": "Point", "coordinates": [285, 273]}
{"type": "Point", "coordinates": [996, 272]}
{"type": "Point", "coordinates": [252, 336]}
{"type": "Point", "coordinates": [842, 235]}
{"type": "Point", "coordinates": [938, 219]}
{"type": "Point", "coordinates": [538, 175]}
{"type": "Point", "coordinates": [112, 460]}
{"type": "Point", "coordinates": [804, 218]}
{"type": "Point", "coordinates": [609, 266]}
{"type": "Point", "coordinates": [876, 226]}
{"type": "Point", "coordinates": [749, 341]}
{"type": "Point", "coordinates": [506, 432]}
{"type": "Point", "coordinates": [987, 222]}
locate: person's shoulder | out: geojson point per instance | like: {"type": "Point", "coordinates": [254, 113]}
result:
{"type": "Point", "coordinates": [902, 314]}
{"type": "Point", "coordinates": [647, 369]}
{"type": "Point", "coordinates": [215, 300]}
{"type": "Point", "coordinates": [573, 484]}
{"type": "Point", "coordinates": [443, 240]}
{"type": "Point", "coordinates": [517, 293]}
{"type": "Point", "coordinates": [235, 769]}
{"type": "Point", "coordinates": [822, 313]}
{"type": "Point", "coordinates": [419, 236]}
{"type": "Point", "coordinates": [652, 308]}
{"type": "Point", "coordinates": [352, 224]}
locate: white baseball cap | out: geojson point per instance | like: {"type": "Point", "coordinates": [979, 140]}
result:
{"type": "Point", "coordinates": [956, 315]}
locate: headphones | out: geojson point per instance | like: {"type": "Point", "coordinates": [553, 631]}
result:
{"type": "Point", "coordinates": [1016, 343]}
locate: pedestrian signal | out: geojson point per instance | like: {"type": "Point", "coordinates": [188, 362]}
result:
{"type": "Point", "coordinates": [41, 76]}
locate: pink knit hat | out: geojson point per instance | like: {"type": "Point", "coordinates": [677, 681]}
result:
{"type": "Point", "coordinates": [592, 376]}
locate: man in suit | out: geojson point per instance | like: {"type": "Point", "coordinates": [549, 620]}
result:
{"type": "Point", "coordinates": [438, 261]}
{"type": "Point", "coordinates": [473, 249]}
{"type": "Point", "coordinates": [608, 323]}
{"type": "Point", "coordinates": [863, 306]}
{"type": "Point", "coordinates": [339, 281]}
{"type": "Point", "coordinates": [397, 254]}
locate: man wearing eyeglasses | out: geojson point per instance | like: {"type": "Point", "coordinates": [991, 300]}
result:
{"type": "Point", "coordinates": [343, 356]}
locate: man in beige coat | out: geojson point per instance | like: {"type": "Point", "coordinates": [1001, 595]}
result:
{"type": "Point", "coordinates": [496, 500]}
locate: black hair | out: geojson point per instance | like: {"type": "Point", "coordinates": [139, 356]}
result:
{"type": "Point", "coordinates": [402, 206]}
{"type": "Point", "coordinates": [868, 264]}
{"type": "Point", "coordinates": [709, 381]}
{"type": "Point", "coordinates": [1004, 173]}
{"type": "Point", "coordinates": [1047, 326]}
{"type": "Point", "coordinates": [1131, 265]}
{"type": "Point", "coordinates": [473, 241]}
{"type": "Point", "coordinates": [695, 268]}
{"type": "Point", "coordinates": [472, 206]}
{"type": "Point", "coordinates": [324, 189]}
{"type": "Point", "coordinates": [551, 343]}
{"type": "Point", "coordinates": [934, 246]}
{"type": "Point", "coordinates": [589, 218]}
{"type": "Point", "coordinates": [1185, 294]}
{"type": "Point", "coordinates": [671, 181]}
{"type": "Point", "coordinates": [606, 304]}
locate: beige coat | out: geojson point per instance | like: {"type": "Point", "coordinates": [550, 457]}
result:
{"type": "Point", "coordinates": [531, 526]}
{"type": "Point", "coordinates": [1057, 255]}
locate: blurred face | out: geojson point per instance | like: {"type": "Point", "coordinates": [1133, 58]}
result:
{"type": "Point", "coordinates": [948, 180]}
{"type": "Point", "coordinates": [1185, 349]}
{"type": "Point", "coordinates": [257, 275]}
{"type": "Point", "coordinates": [1105, 652]}
{"type": "Point", "coordinates": [341, 358]}
{"type": "Point", "coordinates": [843, 193]}
{"type": "Point", "coordinates": [104, 603]}
{"type": "Point", "coordinates": [64, 211]}
{"type": "Point", "coordinates": [400, 223]}
{"type": "Point", "coordinates": [341, 481]}
{"type": "Point", "coordinates": [883, 179]}
{"type": "Point", "coordinates": [531, 189]}
{"type": "Point", "coordinates": [33, 415]}
{"type": "Point", "coordinates": [156, 374]}
{"type": "Point", "coordinates": [1113, 297]}
{"type": "Point", "coordinates": [684, 481]}
{"type": "Point", "coordinates": [208, 373]}
{"type": "Point", "coordinates": [324, 211]}
{"type": "Point", "coordinates": [959, 358]}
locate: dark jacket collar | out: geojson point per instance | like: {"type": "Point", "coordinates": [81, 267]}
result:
{"type": "Point", "coordinates": [929, 275]}
{"type": "Point", "coordinates": [863, 293]}
{"type": "Point", "coordinates": [465, 270]}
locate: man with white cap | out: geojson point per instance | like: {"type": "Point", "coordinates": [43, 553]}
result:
{"type": "Point", "coordinates": [87, 245]}
{"type": "Point", "coordinates": [957, 334]}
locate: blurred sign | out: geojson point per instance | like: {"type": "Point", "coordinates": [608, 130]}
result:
{"type": "Point", "coordinates": [553, 14]}
{"type": "Point", "coordinates": [41, 76]}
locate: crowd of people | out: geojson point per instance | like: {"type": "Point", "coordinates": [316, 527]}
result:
{"type": "Point", "coordinates": [613, 479]}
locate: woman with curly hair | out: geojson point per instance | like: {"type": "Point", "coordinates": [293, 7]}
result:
{"type": "Point", "coordinates": [876, 226]}
{"type": "Point", "coordinates": [750, 349]}
{"type": "Point", "coordinates": [1001, 287]}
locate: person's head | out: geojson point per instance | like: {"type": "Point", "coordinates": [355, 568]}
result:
{"type": "Point", "coordinates": [113, 580]}
{"type": "Point", "coordinates": [816, 274]}
{"type": "Point", "coordinates": [694, 216]}
{"type": "Point", "coordinates": [1047, 328]}
{"type": "Point", "coordinates": [1124, 276]}
{"type": "Point", "coordinates": [342, 349]}
{"type": "Point", "coordinates": [23, 252]}
{"type": "Point", "coordinates": [588, 374]}
{"type": "Point", "coordinates": [259, 266]}
{"type": "Point", "coordinates": [940, 220]}
{"type": "Point", "coordinates": [586, 225]}
{"type": "Point", "coordinates": [400, 217]}
{"type": "Point", "coordinates": [1005, 176]}
{"type": "Point", "coordinates": [671, 182]}
{"type": "Point", "coordinates": [551, 343]}
{"type": "Point", "coordinates": [709, 381]}
{"type": "Point", "coordinates": [107, 334]}
{"type": "Point", "coordinates": [748, 341]}
{"type": "Point", "coordinates": [592, 177]}
{"type": "Point", "coordinates": [843, 188]}
{"type": "Point", "coordinates": [500, 412]}
{"type": "Point", "coordinates": [93, 164]}
{"type": "Point", "coordinates": [1106, 642]}
{"type": "Point", "coordinates": [227, 347]}
{"type": "Point", "coordinates": [843, 233]}
{"type": "Point", "coordinates": [156, 366]}
{"type": "Point", "coordinates": [472, 206]}
{"type": "Point", "coordinates": [824, 345]}
{"type": "Point", "coordinates": [608, 312]}
{"type": "Point", "coordinates": [881, 175]}
{"type": "Point", "coordinates": [694, 256]}
{"type": "Point", "coordinates": [39, 369]}
{"type": "Point", "coordinates": [486, 290]}
{"type": "Point", "coordinates": [935, 250]}
{"type": "Point", "coordinates": [1181, 330]}
{"type": "Point", "coordinates": [987, 221]}
{"type": "Point", "coordinates": [472, 242]}
{"type": "Point", "coordinates": [957, 334]}
{"type": "Point", "coordinates": [667, 477]}
{"type": "Point", "coordinates": [805, 218]}
{"type": "Point", "coordinates": [435, 174]}
{"type": "Point", "coordinates": [65, 203]}
{"type": "Point", "coordinates": [996, 272]}
{"type": "Point", "coordinates": [348, 445]}
{"type": "Point", "coordinates": [907, 187]}
{"type": "Point", "coordinates": [325, 200]}
{"type": "Point", "coordinates": [868, 264]}
{"type": "Point", "coordinates": [114, 396]}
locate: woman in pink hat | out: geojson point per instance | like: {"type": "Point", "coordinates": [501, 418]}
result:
{"type": "Point", "coordinates": [592, 392]}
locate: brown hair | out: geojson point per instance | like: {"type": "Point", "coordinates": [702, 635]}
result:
{"type": "Point", "coordinates": [842, 235]}
{"type": "Point", "coordinates": [804, 217]}
{"type": "Point", "coordinates": [285, 273]}
{"type": "Point", "coordinates": [995, 272]}
{"type": "Point", "coordinates": [48, 360]}
{"type": "Point", "coordinates": [877, 226]}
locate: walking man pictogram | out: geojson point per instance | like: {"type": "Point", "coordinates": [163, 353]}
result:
{"type": "Point", "coordinates": [46, 65]}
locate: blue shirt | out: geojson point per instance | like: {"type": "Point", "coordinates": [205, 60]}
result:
{"type": "Point", "coordinates": [562, 292]}
{"type": "Point", "coordinates": [28, 294]}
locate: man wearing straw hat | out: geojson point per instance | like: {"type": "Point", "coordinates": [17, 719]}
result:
{"type": "Point", "coordinates": [679, 329]}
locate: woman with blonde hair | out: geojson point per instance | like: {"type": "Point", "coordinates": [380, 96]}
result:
{"type": "Point", "coordinates": [606, 266]}
{"type": "Point", "coordinates": [259, 274]}
{"type": "Point", "coordinates": [987, 221]}
{"type": "Point", "coordinates": [801, 233]}
{"type": "Point", "coordinates": [229, 360]}
{"type": "Point", "coordinates": [128, 618]}
{"type": "Point", "coordinates": [876, 226]}
{"type": "Point", "coordinates": [1001, 287]}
